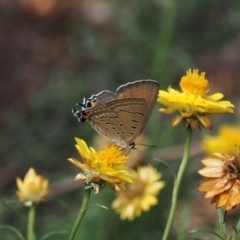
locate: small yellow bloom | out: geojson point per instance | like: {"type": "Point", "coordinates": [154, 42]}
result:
{"type": "Point", "coordinates": [139, 196]}
{"type": "Point", "coordinates": [193, 83]}
{"type": "Point", "coordinates": [33, 188]}
{"type": "Point", "coordinates": [225, 141]}
{"type": "Point", "coordinates": [106, 166]}
{"type": "Point", "coordinates": [192, 105]}
{"type": "Point", "coordinates": [222, 179]}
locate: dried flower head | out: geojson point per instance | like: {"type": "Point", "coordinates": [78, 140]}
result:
{"type": "Point", "coordinates": [192, 105]}
{"type": "Point", "coordinates": [222, 179]}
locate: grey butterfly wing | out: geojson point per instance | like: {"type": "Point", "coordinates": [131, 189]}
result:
{"type": "Point", "coordinates": [121, 116]}
{"type": "Point", "coordinates": [102, 98]}
{"type": "Point", "coordinates": [147, 89]}
{"type": "Point", "coordinates": [95, 100]}
{"type": "Point", "coordinates": [107, 122]}
{"type": "Point", "coordinates": [131, 111]}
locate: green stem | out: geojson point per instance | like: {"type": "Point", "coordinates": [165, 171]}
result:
{"type": "Point", "coordinates": [177, 183]}
{"type": "Point", "coordinates": [81, 213]}
{"type": "Point", "coordinates": [31, 219]}
{"type": "Point", "coordinates": [221, 219]}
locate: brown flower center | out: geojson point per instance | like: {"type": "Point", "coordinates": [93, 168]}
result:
{"type": "Point", "coordinates": [232, 167]}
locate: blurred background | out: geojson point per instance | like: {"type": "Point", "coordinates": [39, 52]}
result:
{"type": "Point", "coordinates": [55, 52]}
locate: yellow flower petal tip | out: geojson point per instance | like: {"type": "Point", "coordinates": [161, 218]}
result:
{"type": "Point", "coordinates": [100, 167]}
{"type": "Point", "coordinates": [192, 102]}
{"type": "Point", "coordinates": [32, 189]}
{"type": "Point", "coordinates": [176, 120]}
{"type": "Point", "coordinates": [221, 182]}
{"type": "Point", "coordinates": [139, 196]}
{"type": "Point", "coordinates": [205, 121]}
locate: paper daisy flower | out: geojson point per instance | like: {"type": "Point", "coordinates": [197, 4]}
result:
{"type": "Point", "coordinates": [139, 196]}
{"type": "Point", "coordinates": [192, 105]}
{"type": "Point", "coordinates": [227, 138]}
{"type": "Point", "coordinates": [102, 167]}
{"type": "Point", "coordinates": [222, 179]}
{"type": "Point", "coordinates": [32, 189]}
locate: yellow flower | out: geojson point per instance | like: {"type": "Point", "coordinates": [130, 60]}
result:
{"type": "Point", "coordinates": [225, 141]}
{"type": "Point", "coordinates": [139, 196]}
{"type": "Point", "coordinates": [192, 104]}
{"type": "Point", "coordinates": [106, 166]}
{"type": "Point", "coordinates": [33, 188]}
{"type": "Point", "coordinates": [222, 182]}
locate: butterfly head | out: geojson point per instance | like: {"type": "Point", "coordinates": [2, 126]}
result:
{"type": "Point", "coordinates": [82, 115]}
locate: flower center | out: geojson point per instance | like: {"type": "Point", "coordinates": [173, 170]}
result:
{"type": "Point", "coordinates": [112, 156]}
{"type": "Point", "coordinates": [194, 83]}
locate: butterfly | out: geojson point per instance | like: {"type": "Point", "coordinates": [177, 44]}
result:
{"type": "Point", "coordinates": [120, 116]}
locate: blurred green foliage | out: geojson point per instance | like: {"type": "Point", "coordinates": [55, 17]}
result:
{"type": "Point", "coordinates": [141, 39]}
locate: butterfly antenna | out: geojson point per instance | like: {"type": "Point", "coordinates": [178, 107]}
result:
{"type": "Point", "coordinates": [133, 146]}
{"type": "Point", "coordinates": [140, 144]}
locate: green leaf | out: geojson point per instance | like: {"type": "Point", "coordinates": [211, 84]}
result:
{"type": "Point", "coordinates": [183, 224]}
{"type": "Point", "coordinates": [206, 230]}
{"type": "Point", "coordinates": [236, 231]}
{"type": "Point", "coordinates": [53, 233]}
{"type": "Point", "coordinates": [14, 230]}
{"type": "Point", "coordinates": [238, 225]}
{"type": "Point", "coordinates": [14, 210]}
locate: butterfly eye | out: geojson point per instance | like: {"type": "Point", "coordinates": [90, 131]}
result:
{"type": "Point", "coordinates": [89, 104]}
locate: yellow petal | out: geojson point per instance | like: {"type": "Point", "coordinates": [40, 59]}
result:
{"type": "Point", "coordinates": [205, 121]}
{"type": "Point", "coordinates": [77, 163]}
{"type": "Point", "coordinates": [166, 110]}
{"type": "Point", "coordinates": [216, 96]}
{"type": "Point", "coordinates": [222, 199]}
{"type": "Point", "coordinates": [211, 172]}
{"type": "Point", "coordinates": [212, 162]}
{"type": "Point", "coordinates": [234, 196]}
{"type": "Point", "coordinates": [220, 187]}
{"type": "Point", "coordinates": [176, 120]}
{"type": "Point", "coordinates": [207, 184]}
